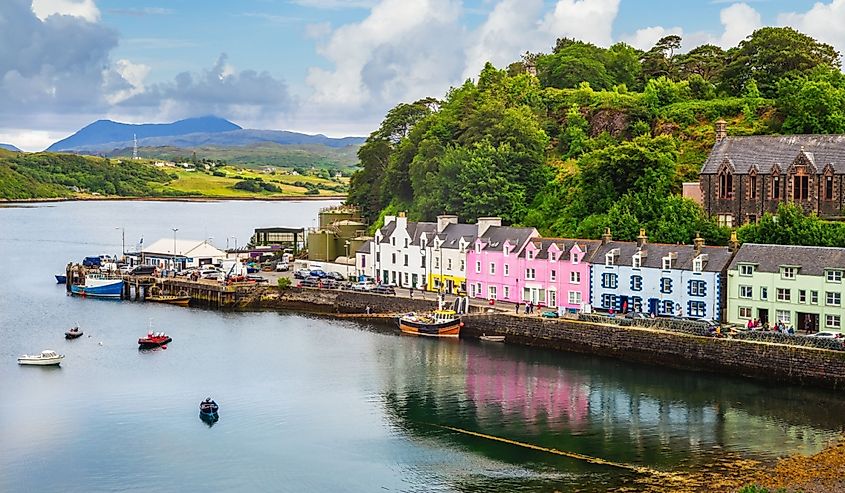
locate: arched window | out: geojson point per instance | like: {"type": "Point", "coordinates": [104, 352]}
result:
{"type": "Point", "coordinates": [726, 185]}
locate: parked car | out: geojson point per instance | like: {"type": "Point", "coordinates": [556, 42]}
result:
{"type": "Point", "coordinates": [337, 276]}
{"type": "Point", "coordinates": [383, 289]}
{"type": "Point", "coordinates": [301, 274]}
{"type": "Point", "coordinates": [310, 282]}
{"type": "Point", "coordinates": [142, 270]}
{"type": "Point", "coordinates": [363, 286]}
{"type": "Point", "coordinates": [186, 272]}
{"type": "Point", "coordinates": [214, 276]}
{"type": "Point", "coordinates": [318, 273]}
{"type": "Point", "coordinates": [636, 315]}
{"type": "Point", "coordinates": [825, 335]}
{"type": "Point", "coordinates": [282, 266]}
{"type": "Point", "coordinates": [256, 278]}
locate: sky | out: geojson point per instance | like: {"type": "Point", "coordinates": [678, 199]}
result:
{"type": "Point", "coordinates": [317, 66]}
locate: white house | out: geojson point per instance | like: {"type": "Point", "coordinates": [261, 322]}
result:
{"type": "Point", "coordinates": [187, 253]}
{"type": "Point", "coordinates": [396, 255]}
{"type": "Point", "coordinates": [446, 252]}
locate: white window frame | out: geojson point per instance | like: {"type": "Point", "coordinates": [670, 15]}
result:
{"type": "Point", "coordinates": [783, 291]}
{"type": "Point", "coordinates": [552, 298]}
{"type": "Point", "coordinates": [667, 263]}
{"type": "Point", "coordinates": [637, 261]}
{"type": "Point", "coordinates": [463, 265]}
{"type": "Point", "coordinates": [832, 321]}
{"type": "Point", "coordinates": [764, 292]}
{"type": "Point", "coordinates": [530, 274]}
{"type": "Point", "coordinates": [552, 275]}
{"type": "Point", "coordinates": [506, 292]}
{"type": "Point", "coordinates": [491, 292]}
{"type": "Point", "coordinates": [832, 298]}
{"type": "Point", "coordinates": [609, 259]}
{"type": "Point", "coordinates": [478, 267]}
{"type": "Point", "coordinates": [529, 254]}
{"type": "Point", "coordinates": [575, 277]}
{"type": "Point", "coordinates": [698, 264]}
{"type": "Point", "coordinates": [574, 297]}
{"type": "Point", "coordinates": [506, 270]}
{"type": "Point", "coordinates": [745, 312]}
{"type": "Point", "coordinates": [814, 297]}
{"type": "Point", "coordinates": [746, 292]}
{"type": "Point", "coordinates": [834, 276]}
{"type": "Point", "coordinates": [746, 270]}
{"type": "Point", "coordinates": [789, 273]}
{"type": "Point", "coordinates": [492, 268]}
{"type": "Point", "coordinates": [784, 316]}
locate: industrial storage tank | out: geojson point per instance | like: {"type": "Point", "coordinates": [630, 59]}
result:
{"type": "Point", "coordinates": [322, 246]}
{"type": "Point", "coordinates": [332, 215]}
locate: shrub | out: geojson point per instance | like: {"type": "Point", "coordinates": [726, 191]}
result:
{"type": "Point", "coordinates": [284, 283]}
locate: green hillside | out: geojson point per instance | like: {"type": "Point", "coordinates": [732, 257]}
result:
{"type": "Point", "coordinates": [584, 138]}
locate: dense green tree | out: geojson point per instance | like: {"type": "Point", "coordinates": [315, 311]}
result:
{"type": "Point", "coordinates": [791, 226]}
{"type": "Point", "coordinates": [659, 61]}
{"type": "Point", "coordinates": [706, 61]}
{"type": "Point", "coordinates": [814, 103]}
{"type": "Point", "coordinates": [770, 54]}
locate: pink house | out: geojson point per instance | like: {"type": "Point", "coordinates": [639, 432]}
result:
{"type": "Point", "coordinates": [493, 269]}
{"type": "Point", "coordinates": [552, 272]}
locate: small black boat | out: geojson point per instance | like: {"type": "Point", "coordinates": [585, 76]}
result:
{"type": "Point", "coordinates": [208, 410]}
{"type": "Point", "coordinates": [73, 333]}
{"type": "Point", "coordinates": [61, 279]}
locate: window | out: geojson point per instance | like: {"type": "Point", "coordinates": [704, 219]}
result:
{"type": "Point", "coordinates": [764, 293]}
{"type": "Point", "coordinates": [478, 267]}
{"type": "Point", "coordinates": [814, 297]}
{"type": "Point", "coordinates": [609, 259]}
{"type": "Point", "coordinates": [834, 276]}
{"type": "Point", "coordinates": [406, 278]}
{"type": "Point", "coordinates": [507, 270]}
{"type": "Point", "coordinates": [406, 242]}
{"type": "Point", "coordinates": [726, 185]}
{"type": "Point", "coordinates": [553, 275]}
{"type": "Point", "coordinates": [725, 220]}
{"type": "Point", "coordinates": [575, 297]}
{"type": "Point", "coordinates": [800, 187]}
{"type": "Point", "coordinates": [448, 263]}
{"type": "Point", "coordinates": [752, 218]}
{"type": "Point", "coordinates": [637, 303]}
{"type": "Point", "coordinates": [789, 272]}
{"type": "Point", "coordinates": [784, 294]}
{"type": "Point", "coordinates": [667, 263]}
{"type": "Point", "coordinates": [529, 274]}
{"type": "Point", "coordinates": [573, 258]}
{"type": "Point", "coordinates": [393, 276]}
{"type": "Point", "coordinates": [832, 321]}
{"type": "Point", "coordinates": [667, 307]}
{"type": "Point", "coordinates": [422, 258]}
{"type": "Point", "coordinates": [478, 290]}
{"type": "Point", "coordinates": [608, 280]}
{"type": "Point", "coordinates": [746, 270]}
{"type": "Point", "coordinates": [506, 291]}
{"type": "Point", "coordinates": [783, 316]}
{"type": "Point", "coordinates": [665, 285]}
{"type": "Point", "coordinates": [775, 187]}
{"type": "Point", "coordinates": [478, 248]}
{"type": "Point", "coordinates": [637, 261]}
{"type": "Point", "coordinates": [463, 265]}
{"type": "Point", "coordinates": [574, 278]}
{"type": "Point", "coordinates": [378, 257]}
{"type": "Point", "coordinates": [636, 283]}
{"type": "Point", "coordinates": [698, 263]}
{"type": "Point", "coordinates": [393, 241]}
{"type": "Point", "coordinates": [833, 298]}
{"type": "Point", "coordinates": [745, 312]}
{"type": "Point", "coordinates": [697, 288]}
{"type": "Point", "coordinates": [608, 300]}
{"type": "Point", "coordinates": [530, 254]}
{"type": "Point", "coordinates": [393, 258]}
{"type": "Point", "coordinates": [802, 296]}
{"type": "Point", "coordinates": [552, 298]}
{"type": "Point", "coordinates": [752, 186]}
{"type": "Point", "coordinates": [436, 263]}
{"type": "Point", "coordinates": [492, 268]}
{"type": "Point", "coordinates": [828, 188]}
{"type": "Point", "coordinates": [491, 292]}
{"type": "Point", "coordinates": [384, 276]}
{"type": "Point", "coordinates": [746, 292]}
{"type": "Point", "coordinates": [406, 260]}
{"type": "Point", "coordinates": [697, 309]}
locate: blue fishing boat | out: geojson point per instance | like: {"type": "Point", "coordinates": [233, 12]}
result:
{"type": "Point", "coordinates": [208, 411]}
{"type": "Point", "coordinates": [61, 279]}
{"type": "Point", "coordinates": [99, 286]}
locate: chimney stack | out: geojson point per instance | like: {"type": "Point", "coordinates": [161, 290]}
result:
{"type": "Point", "coordinates": [698, 243]}
{"type": "Point", "coordinates": [721, 130]}
{"type": "Point", "coordinates": [401, 221]}
{"type": "Point", "coordinates": [733, 244]}
{"type": "Point", "coordinates": [484, 224]}
{"type": "Point", "coordinates": [606, 237]}
{"type": "Point", "coordinates": [642, 238]}
{"type": "Point", "coordinates": [445, 220]}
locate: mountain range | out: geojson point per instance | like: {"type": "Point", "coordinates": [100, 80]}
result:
{"type": "Point", "coordinates": [106, 136]}
{"type": "Point", "coordinates": [9, 147]}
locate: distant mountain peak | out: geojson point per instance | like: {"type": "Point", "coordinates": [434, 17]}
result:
{"type": "Point", "coordinates": [111, 132]}
{"type": "Point", "coordinates": [10, 147]}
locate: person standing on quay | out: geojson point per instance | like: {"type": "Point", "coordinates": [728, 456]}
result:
{"type": "Point", "coordinates": [517, 308]}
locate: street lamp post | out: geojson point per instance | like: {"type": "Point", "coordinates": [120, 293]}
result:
{"type": "Point", "coordinates": [174, 247]}
{"type": "Point", "coordinates": [346, 244]}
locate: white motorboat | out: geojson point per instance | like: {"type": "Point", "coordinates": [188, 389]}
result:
{"type": "Point", "coordinates": [47, 357]}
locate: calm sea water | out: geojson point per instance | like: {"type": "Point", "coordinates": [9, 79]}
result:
{"type": "Point", "coordinates": [311, 404]}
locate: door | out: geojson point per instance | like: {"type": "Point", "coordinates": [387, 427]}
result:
{"type": "Point", "coordinates": [763, 315]}
{"type": "Point", "coordinates": [622, 304]}
{"type": "Point", "coordinates": [808, 322]}
{"type": "Point", "coordinates": [652, 306]}
{"type": "Point", "coordinates": [450, 285]}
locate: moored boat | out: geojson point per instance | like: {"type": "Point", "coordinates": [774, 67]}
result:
{"type": "Point", "coordinates": [208, 409]}
{"type": "Point", "coordinates": [61, 279]}
{"type": "Point", "coordinates": [170, 299]}
{"type": "Point", "coordinates": [154, 339]}
{"type": "Point", "coordinates": [439, 323]}
{"type": "Point", "coordinates": [46, 358]}
{"type": "Point", "coordinates": [99, 286]}
{"type": "Point", "coordinates": [73, 333]}
{"type": "Point", "coordinates": [485, 337]}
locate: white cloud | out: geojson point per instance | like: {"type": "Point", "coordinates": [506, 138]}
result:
{"type": "Point", "coordinates": [510, 29]}
{"type": "Point", "coordinates": [28, 139]}
{"type": "Point", "coordinates": [647, 37]}
{"type": "Point", "coordinates": [134, 75]}
{"type": "Point", "coordinates": [824, 21]}
{"type": "Point", "coordinates": [739, 21]}
{"type": "Point", "coordinates": [85, 9]}
{"type": "Point", "coordinates": [586, 20]}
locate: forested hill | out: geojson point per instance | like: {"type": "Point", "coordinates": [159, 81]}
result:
{"type": "Point", "coordinates": [584, 137]}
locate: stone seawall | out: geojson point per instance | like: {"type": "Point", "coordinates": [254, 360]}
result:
{"type": "Point", "coordinates": [331, 301]}
{"type": "Point", "coordinates": [759, 360]}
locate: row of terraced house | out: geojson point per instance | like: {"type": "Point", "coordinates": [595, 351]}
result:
{"type": "Point", "coordinates": [799, 286]}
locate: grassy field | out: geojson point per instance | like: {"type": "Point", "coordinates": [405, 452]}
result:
{"type": "Point", "coordinates": [206, 185]}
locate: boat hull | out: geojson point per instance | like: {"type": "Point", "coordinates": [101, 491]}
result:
{"type": "Point", "coordinates": [148, 343]}
{"type": "Point", "coordinates": [112, 288]}
{"type": "Point", "coordinates": [171, 300]}
{"type": "Point", "coordinates": [451, 328]}
{"type": "Point", "coordinates": [40, 361]}
{"type": "Point", "coordinates": [73, 335]}
{"type": "Point", "coordinates": [493, 338]}
{"type": "Point", "coordinates": [61, 279]}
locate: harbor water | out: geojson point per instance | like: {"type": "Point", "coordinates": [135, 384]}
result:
{"type": "Point", "coordinates": [315, 404]}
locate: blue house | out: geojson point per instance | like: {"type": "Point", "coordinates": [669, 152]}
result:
{"type": "Point", "coordinates": [664, 280]}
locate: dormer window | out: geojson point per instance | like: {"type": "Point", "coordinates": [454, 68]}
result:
{"type": "Point", "coordinates": [573, 257]}
{"type": "Point", "coordinates": [834, 276]}
{"type": "Point", "coordinates": [552, 257]}
{"type": "Point", "coordinates": [610, 257]}
{"type": "Point", "coordinates": [478, 248]}
{"type": "Point", "coordinates": [746, 270]}
{"type": "Point", "coordinates": [699, 262]}
{"type": "Point", "coordinates": [788, 272]}
{"type": "Point", "coordinates": [530, 254]}
{"type": "Point", "coordinates": [637, 261]}
{"type": "Point", "coordinates": [667, 261]}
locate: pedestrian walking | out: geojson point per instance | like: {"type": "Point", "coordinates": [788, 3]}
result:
{"type": "Point", "coordinates": [368, 309]}
{"type": "Point", "coordinates": [517, 308]}
{"type": "Point", "coordinates": [411, 292]}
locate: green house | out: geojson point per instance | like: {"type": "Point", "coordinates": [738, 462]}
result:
{"type": "Point", "coordinates": [798, 285]}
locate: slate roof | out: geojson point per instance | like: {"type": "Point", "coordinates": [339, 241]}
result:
{"type": "Point", "coordinates": [768, 258]}
{"type": "Point", "coordinates": [765, 151]}
{"type": "Point", "coordinates": [365, 247]}
{"type": "Point", "coordinates": [564, 244]}
{"type": "Point", "coordinates": [452, 233]}
{"type": "Point", "coordinates": [415, 229]}
{"type": "Point", "coordinates": [717, 257]}
{"type": "Point", "coordinates": [495, 236]}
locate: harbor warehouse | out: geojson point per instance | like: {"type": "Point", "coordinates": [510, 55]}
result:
{"type": "Point", "coordinates": [184, 253]}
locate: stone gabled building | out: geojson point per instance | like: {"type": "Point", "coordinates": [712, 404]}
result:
{"type": "Point", "coordinates": [745, 177]}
